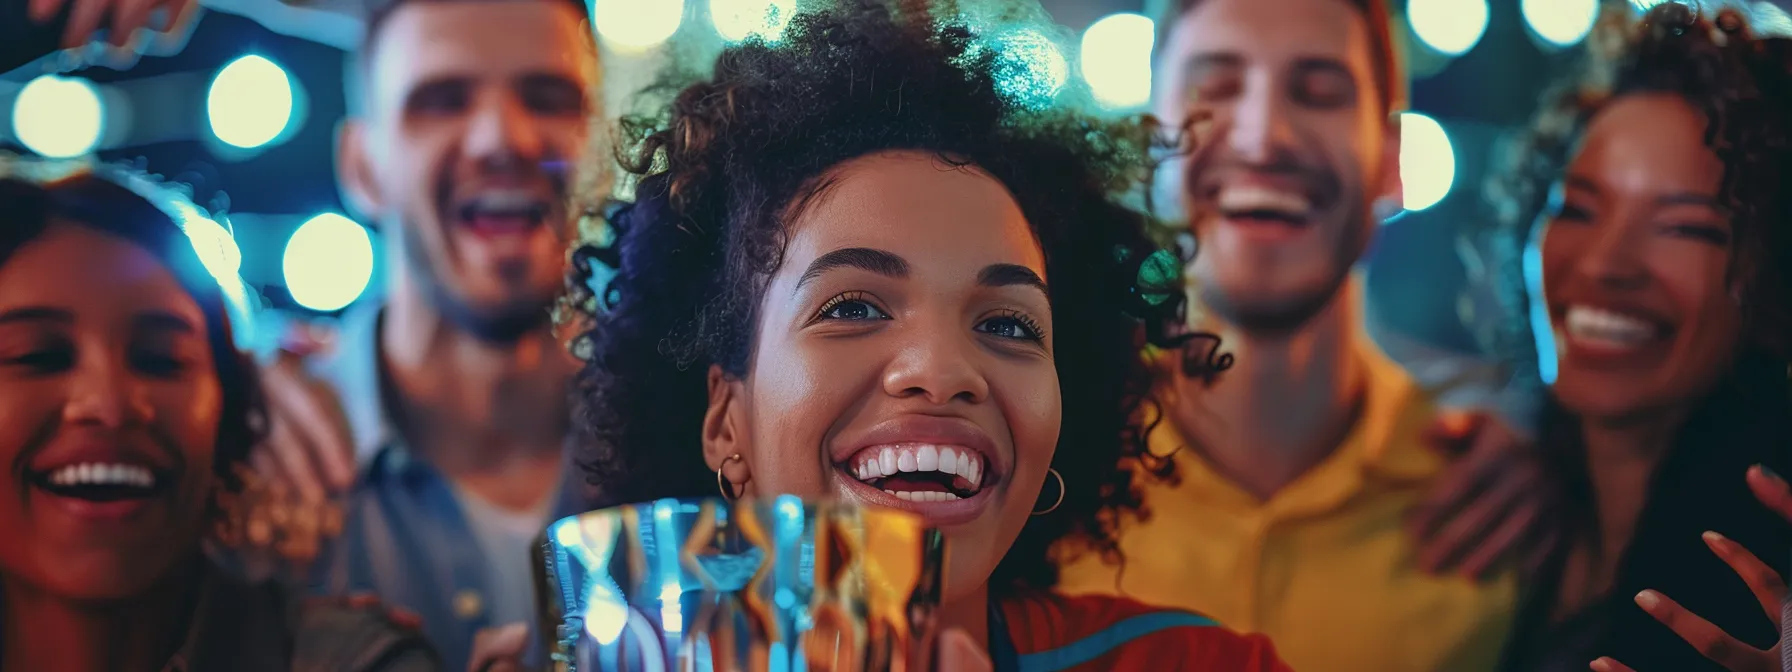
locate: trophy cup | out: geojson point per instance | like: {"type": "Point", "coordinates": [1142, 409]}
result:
{"type": "Point", "coordinates": [706, 585]}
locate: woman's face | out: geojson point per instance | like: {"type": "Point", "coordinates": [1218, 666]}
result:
{"type": "Point", "coordinates": [903, 358]}
{"type": "Point", "coordinates": [109, 413]}
{"type": "Point", "coordinates": [1635, 262]}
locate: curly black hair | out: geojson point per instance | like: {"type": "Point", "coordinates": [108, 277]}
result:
{"type": "Point", "coordinates": [135, 208]}
{"type": "Point", "coordinates": [716, 173]}
{"type": "Point", "coordinates": [1743, 85]}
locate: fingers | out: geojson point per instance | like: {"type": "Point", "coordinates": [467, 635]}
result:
{"type": "Point", "coordinates": [44, 10]}
{"type": "Point", "coordinates": [1454, 489]}
{"type": "Point", "coordinates": [1771, 490]}
{"type": "Point", "coordinates": [1518, 525]}
{"type": "Point", "coordinates": [1609, 665]}
{"type": "Point", "coordinates": [128, 17]}
{"type": "Point", "coordinates": [960, 653]}
{"type": "Point", "coordinates": [290, 451]}
{"type": "Point", "coordinates": [499, 648]}
{"type": "Point", "coordinates": [1765, 583]}
{"type": "Point", "coordinates": [83, 22]}
{"type": "Point", "coordinates": [319, 437]}
{"type": "Point", "coordinates": [1710, 641]}
{"type": "Point", "coordinates": [1467, 532]}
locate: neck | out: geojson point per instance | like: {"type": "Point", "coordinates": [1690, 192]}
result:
{"type": "Point", "coordinates": [42, 631]}
{"type": "Point", "coordinates": [969, 613]}
{"type": "Point", "coordinates": [1622, 457]}
{"type": "Point", "coordinates": [1285, 405]}
{"type": "Point", "coordinates": [469, 403]}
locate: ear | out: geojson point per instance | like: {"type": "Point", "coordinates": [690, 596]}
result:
{"type": "Point", "coordinates": [724, 428]}
{"type": "Point", "coordinates": [1389, 190]}
{"type": "Point", "coordinates": [354, 173]}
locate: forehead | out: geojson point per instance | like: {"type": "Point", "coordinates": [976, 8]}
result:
{"type": "Point", "coordinates": [1651, 143]}
{"type": "Point", "coordinates": [918, 207]}
{"type": "Point", "coordinates": [429, 39]}
{"type": "Point", "coordinates": [78, 268]}
{"type": "Point", "coordinates": [1272, 31]}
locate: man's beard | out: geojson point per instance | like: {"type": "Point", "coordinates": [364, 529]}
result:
{"type": "Point", "coordinates": [502, 324]}
{"type": "Point", "coordinates": [1283, 316]}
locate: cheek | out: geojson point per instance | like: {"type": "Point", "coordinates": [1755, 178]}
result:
{"type": "Point", "coordinates": [190, 415]}
{"type": "Point", "coordinates": [1034, 409]}
{"type": "Point", "coordinates": [796, 398]}
{"type": "Point", "coordinates": [28, 413]}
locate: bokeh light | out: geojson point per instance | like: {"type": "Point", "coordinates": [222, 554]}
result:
{"type": "Point", "coordinates": [636, 25]}
{"type": "Point", "coordinates": [328, 262]}
{"type": "Point", "coordinates": [58, 117]}
{"type": "Point", "coordinates": [737, 20]}
{"type": "Point", "coordinates": [1560, 22]}
{"type": "Point", "coordinates": [1427, 161]}
{"type": "Point", "coordinates": [1116, 59]}
{"type": "Point", "coordinates": [1030, 69]}
{"type": "Point", "coordinates": [250, 103]}
{"type": "Point", "coordinates": [1452, 27]}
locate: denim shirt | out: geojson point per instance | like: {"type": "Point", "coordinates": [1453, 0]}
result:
{"type": "Point", "coordinates": [405, 534]}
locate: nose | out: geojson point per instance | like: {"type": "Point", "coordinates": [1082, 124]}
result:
{"type": "Point", "coordinates": [103, 394]}
{"type": "Point", "coordinates": [1613, 260]}
{"type": "Point", "coordinates": [501, 133]}
{"type": "Point", "coordinates": [939, 366]}
{"type": "Point", "coordinates": [1259, 125]}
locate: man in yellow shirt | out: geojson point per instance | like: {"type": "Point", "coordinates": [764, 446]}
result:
{"type": "Point", "coordinates": [1297, 470]}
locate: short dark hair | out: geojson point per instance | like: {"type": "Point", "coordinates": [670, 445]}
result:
{"type": "Point", "coordinates": [1390, 70]}
{"type": "Point", "coordinates": [132, 207]}
{"type": "Point", "coordinates": [717, 172]}
{"type": "Point", "coordinates": [378, 14]}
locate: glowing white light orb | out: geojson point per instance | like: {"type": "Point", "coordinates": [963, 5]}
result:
{"type": "Point", "coordinates": [737, 20]}
{"type": "Point", "coordinates": [328, 262]}
{"type": "Point", "coordinates": [636, 25]}
{"type": "Point", "coordinates": [250, 102]}
{"type": "Point", "coordinates": [1452, 27]}
{"type": "Point", "coordinates": [58, 117]}
{"type": "Point", "coordinates": [1116, 59]}
{"type": "Point", "coordinates": [1427, 161]}
{"type": "Point", "coordinates": [1561, 22]}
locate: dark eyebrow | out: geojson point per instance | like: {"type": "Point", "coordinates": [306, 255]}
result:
{"type": "Point", "coordinates": [35, 314]}
{"type": "Point", "coordinates": [1689, 198]}
{"type": "Point", "coordinates": [864, 258]}
{"type": "Point", "coordinates": [1582, 183]}
{"type": "Point", "coordinates": [156, 320]}
{"type": "Point", "coordinates": [1006, 275]}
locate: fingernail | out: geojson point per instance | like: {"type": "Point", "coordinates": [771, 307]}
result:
{"type": "Point", "coordinates": [1648, 599]}
{"type": "Point", "coordinates": [1770, 475]}
{"type": "Point", "coordinates": [1600, 665]}
{"type": "Point", "coordinates": [1713, 538]}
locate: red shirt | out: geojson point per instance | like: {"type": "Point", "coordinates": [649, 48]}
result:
{"type": "Point", "coordinates": [1055, 633]}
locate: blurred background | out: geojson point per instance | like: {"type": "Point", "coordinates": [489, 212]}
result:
{"type": "Point", "coordinates": [246, 115]}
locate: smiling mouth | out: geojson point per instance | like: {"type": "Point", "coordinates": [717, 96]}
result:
{"type": "Point", "coordinates": [1253, 205]}
{"type": "Point", "coordinates": [1610, 329]}
{"type": "Point", "coordinates": [101, 482]}
{"type": "Point", "coordinates": [503, 212]}
{"type": "Point", "coordinates": [920, 472]}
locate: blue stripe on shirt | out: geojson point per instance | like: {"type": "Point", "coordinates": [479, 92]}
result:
{"type": "Point", "coordinates": [1099, 644]}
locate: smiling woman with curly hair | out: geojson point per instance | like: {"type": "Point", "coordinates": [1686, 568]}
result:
{"type": "Point", "coordinates": [1657, 185]}
{"type": "Point", "coordinates": [854, 269]}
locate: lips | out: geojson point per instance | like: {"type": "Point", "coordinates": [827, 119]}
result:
{"type": "Point", "coordinates": [503, 212]}
{"type": "Point", "coordinates": [941, 468]}
{"type": "Point", "coordinates": [1259, 205]}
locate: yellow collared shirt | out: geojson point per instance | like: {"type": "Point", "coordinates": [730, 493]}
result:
{"type": "Point", "coordinates": [1324, 567]}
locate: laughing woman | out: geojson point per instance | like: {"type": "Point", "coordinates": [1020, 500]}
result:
{"type": "Point", "coordinates": [854, 269]}
{"type": "Point", "coordinates": [125, 412]}
{"type": "Point", "coordinates": [1666, 271]}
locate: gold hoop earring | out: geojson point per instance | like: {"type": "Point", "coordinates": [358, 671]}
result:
{"type": "Point", "coordinates": [722, 482]}
{"type": "Point", "coordinates": [1054, 474]}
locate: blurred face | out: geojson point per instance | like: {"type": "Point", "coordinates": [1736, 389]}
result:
{"type": "Point", "coordinates": [904, 358]}
{"type": "Point", "coordinates": [475, 111]}
{"type": "Point", "coordinates": [1634, 259]}
{"type": "Point", "coordinates": [1294, 148]}
{"type": "Point", "coordinates": [109, 414]}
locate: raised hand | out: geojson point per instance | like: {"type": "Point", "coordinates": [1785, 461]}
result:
{"type": "Point", "coordinates": [1767, 585]}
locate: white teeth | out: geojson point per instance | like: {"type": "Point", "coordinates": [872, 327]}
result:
{"type": "Point", "coordinates": [927, 458]}
{"type": "Point", "coordinates": [1245, 198]}
{"type": "Point", "coordinates": [917, 496]}
{"type": "Point", "coordinates": [905, 460]}
{"type": "Point", "coordinates": [103, 474]}
{"type": "Point", "coordinates": [1594, 324]}
{"type": "Point", "coordinates": [886, 462]}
